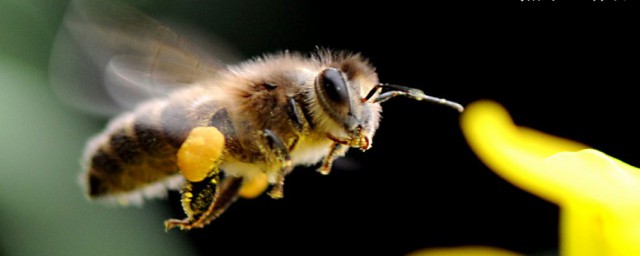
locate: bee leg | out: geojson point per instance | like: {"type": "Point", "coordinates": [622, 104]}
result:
{"type": "Point", "coordinates": [336, 151]}
{"type": "Point", "coordinates": [281, 153]}
{"type": "Point", "coordinates": [205, 200]}
{"type": "Point", "coordinates": [225, 196]}
{"type": "Point", "coordinates": [295, 114]}
{"type": "Point", "coordinates": [196, 198]}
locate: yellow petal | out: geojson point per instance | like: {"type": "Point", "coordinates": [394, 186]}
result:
{"type": "Point", "coordinates": [622, 232]}
{"type": "Point", "coordinates": [602, 206]}
{"type": "Point", "coordinates": [599, 195]}
{"type": "Point", "coordinates": [515, 153]}
{"type": "Point", "coordinates": [592, 175]}
{"type": "Point", "coordinates": [464, 251]}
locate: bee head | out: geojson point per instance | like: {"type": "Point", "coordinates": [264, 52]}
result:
{"type": "Point", "coordinates": [341, 97]}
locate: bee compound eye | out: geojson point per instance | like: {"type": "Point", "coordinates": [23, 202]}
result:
{"type": "Point", "coordinates": [334, 86]}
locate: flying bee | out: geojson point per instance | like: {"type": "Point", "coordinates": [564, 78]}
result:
{"type": "Point", "coordinates": [213, 131]}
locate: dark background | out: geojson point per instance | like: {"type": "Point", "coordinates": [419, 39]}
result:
{"type": "Point", "coordinates": [567, 68]}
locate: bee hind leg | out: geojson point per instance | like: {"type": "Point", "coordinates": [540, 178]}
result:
{"type": "Point", "coordinates": [205, 200]}
{"type": "Point", "coordinates": [281, 153]}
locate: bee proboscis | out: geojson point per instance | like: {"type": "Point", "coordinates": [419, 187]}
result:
{"type": "Point", "coordinates": [208, 129]}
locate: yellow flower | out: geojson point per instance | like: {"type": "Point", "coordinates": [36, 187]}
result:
{"type": "Point", "coordinates": [599, 196]}
{"type": "Point", "coordinates": [464, 251]}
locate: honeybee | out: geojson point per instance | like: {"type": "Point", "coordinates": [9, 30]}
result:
{"type": "Point", "coordinates": [213, 131]}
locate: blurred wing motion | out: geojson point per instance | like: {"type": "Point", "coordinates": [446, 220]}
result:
{"type": "Point", "coordinates": [108, 57]}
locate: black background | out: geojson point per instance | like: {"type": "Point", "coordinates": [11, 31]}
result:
{"type": "Point", "coordinates": [566, 68]}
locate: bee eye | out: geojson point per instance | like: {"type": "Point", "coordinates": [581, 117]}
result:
{"type": "Point", "coordinates": [334, 86]}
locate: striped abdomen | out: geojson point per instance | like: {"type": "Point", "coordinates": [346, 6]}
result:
{"type": "Point", "coordinates": [139, 148]}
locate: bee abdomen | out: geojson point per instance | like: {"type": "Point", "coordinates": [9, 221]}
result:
{"type": "Point", "coordinates": [176, 121]}
{"type": "Point", "coordinates": [150, 136]}
{"type": "Point", "coordinates": [126, 147]}
{"type": "Point", "coordinates": [139, 149]}
{"type": "Point", "coordinates": [103, 165]}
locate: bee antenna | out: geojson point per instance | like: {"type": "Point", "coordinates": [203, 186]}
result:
{"type": "Point", "coordinates": [398, 90]}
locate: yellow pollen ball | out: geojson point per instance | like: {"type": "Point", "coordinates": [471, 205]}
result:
{"type": "Point", "coordinates": [254, 186]}
{"type": "Point", "coordinates": [200, 152]}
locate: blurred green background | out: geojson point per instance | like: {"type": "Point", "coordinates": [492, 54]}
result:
{"type": "Point", "coordinates": [42, 208]}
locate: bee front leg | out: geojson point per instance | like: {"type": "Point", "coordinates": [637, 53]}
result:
{"type": "Point", "coordinates": [335, 151]}
{"type": "Point", "coordinates": [204, 201]}
{"type": "Point", "coordinates": [278, 150]}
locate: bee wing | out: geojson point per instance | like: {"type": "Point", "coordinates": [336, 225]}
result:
{"type": "Point", "coordinates": [109, 57]}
